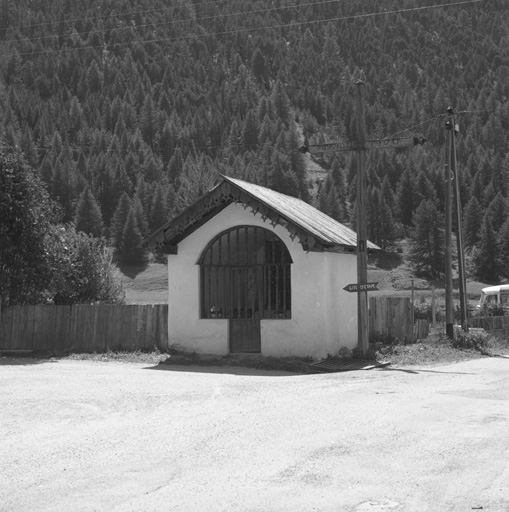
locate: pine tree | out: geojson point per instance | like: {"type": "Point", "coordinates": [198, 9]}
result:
{"type": "Point", "coordinates": [281, 177]}
{"type": "Point", "coordinates": [158, 210]}
{"type": "Point", "coordinates": [381, 223]}
{"type": "Point", "coordinates": [131, 246]}
{"type": "Point", "coordinates": [63, 186]}
{"type": "Point", "coordinates": [250, 131]}
{"type": "Point", "coordinates": [297, 164]}
{"type": "Point", "coordinates": [197, 178]}
{"type": "Point", "coordinates": [88, 217]}
{"type": "Point", "coordinates": [119, 220]}
{"type": "Point", "coordinates": [141, 217]}
{"type": "Point", "coordinates": [503, 249]}
{"type": "Point", "coordinates": [427, 239]}
{"type": "Point", "coordinates": [497, 212]}
{"type": "Point", "coordinates": [405, 198]}
{"type": "Point", "coordinates": [485, 256]}
{"type": "Point", "coordinates": [281, 102]}
{"type": "Point", "coordinates": [175, 165]}
{"type": "Point", "coordinates": [147, 121]}
{"type": "Point", "coordinates": [472, 222]}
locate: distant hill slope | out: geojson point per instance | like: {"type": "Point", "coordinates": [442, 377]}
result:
{"type": "Point", "coordinates": [145, 285]}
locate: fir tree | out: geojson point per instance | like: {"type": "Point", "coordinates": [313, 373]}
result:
{"type": "Point", "coordinates": [88, 217]}
{"type": "Point", "coordinates": [141, 217]}
{"type": "Point", "coordinates": [119, 220]}
{"type": "Point", "coordinates": [503, 249]}
{"type": "Point", "coordinates": [381, 223]}
{"type": "Point", "coordinates": [497, 212]}
{"type": "Point", "coordinates": [158, 210]}
{"type": "Point", "coordinates": [250, 131]}
{"type": "Point", "coordinates": [281, 102]}
{"type": "Point", "coordinates": [131, 246]}
{"type": "Point", "coordinates": [427, 240]}
{"type": "Point", "coordinates": [472, 222]}
{"type": "Point", "coordinates": [405, 198]}
{"type": "Point", "coordinates": [485, 257]}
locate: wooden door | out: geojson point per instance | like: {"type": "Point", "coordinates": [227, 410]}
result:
{"type": "Point", "coordinates": [246, 301]}
{"type": "Point", "coordinates": [245, 335]}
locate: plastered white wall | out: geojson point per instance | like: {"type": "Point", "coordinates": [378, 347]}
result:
{"type": "Point", "coordinates": [323, 314]}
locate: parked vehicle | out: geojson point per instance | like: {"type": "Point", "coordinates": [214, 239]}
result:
{"type": "Point", "coordinates": [495, 296]}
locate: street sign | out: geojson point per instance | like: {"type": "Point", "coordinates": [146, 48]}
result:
{"type": "Point", "coordinates": [334, 147]}
{"type": "Point", "coordinates": [331, 147]}
{"type": "Point", "coordinates": [403, 142]}
{"type": "Point", "coordinates": [361, 287]}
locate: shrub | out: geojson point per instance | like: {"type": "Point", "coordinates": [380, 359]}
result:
{"type": "Point", "coordinates": [474, 339]}
{"type": "Point", "coordinates": [495, 310]}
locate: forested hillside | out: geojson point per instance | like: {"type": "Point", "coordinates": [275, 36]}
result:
{"type": "Point", "coordinates": [130, 109]}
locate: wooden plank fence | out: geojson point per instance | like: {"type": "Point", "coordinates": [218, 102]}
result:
{"type": "Point", "coordinates": [490, 323]}
{"type": "Point", "coordinates": [392, 318]}
{"type": "Point", "coordinates": [84, 328]}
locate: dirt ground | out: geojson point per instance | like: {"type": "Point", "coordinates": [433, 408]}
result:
{"type": "Point", "coordinates": [91, 436]}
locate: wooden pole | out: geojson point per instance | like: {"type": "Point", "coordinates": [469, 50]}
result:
{"type": "Point", "coordinates": [362, 251]}
{"type": "Point", "coordinates": [449, 326]}
{"type": "Point", "coordinates": [413, 313]}
{"type": "Point", "coordinates": [433, 308]}
{"type": "Point", "coordinates": [459, 229]}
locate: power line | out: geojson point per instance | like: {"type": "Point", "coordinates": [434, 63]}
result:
{"type": "Point", "coordinates": [254, 29]}
{"type": "Point", "coordinates": [414, 127]}
{"type": "Point", "coordinates": [103, 17]}
{"type": "Point", "coordinates": [174, 22]}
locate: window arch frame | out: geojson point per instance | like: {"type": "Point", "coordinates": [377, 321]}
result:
{"type": "Point", "coordinates": [245, 272]}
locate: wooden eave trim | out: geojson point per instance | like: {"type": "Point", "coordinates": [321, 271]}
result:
{"type": "Point", "coordinates": [214, 201]}
{"type": "Point", "coordinates": [192, 217]}
{"type": "Point", "coordinates": [308, 241]}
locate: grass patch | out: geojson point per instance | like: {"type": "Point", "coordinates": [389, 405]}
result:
{"type": "Point", "coordinates": [153, 357]}
{"type": "Point", "coordinates": [441, 351]}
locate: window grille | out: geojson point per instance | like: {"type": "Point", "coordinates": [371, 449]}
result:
{"type": "Point", "coordinates": [246, 273]}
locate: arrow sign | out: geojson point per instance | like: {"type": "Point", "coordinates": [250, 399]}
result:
{"type": "Point", "coordinates": [362, 287]}
{"type": "Point", "coordinates": [331, 147]}
{"type": "Point", "coordinates": [403, 142]}
{"type": "Point", "coordinates": [334, 147]}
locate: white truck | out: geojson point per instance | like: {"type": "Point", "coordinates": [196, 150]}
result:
{"type": "Point", "coordinates": [495, 295]}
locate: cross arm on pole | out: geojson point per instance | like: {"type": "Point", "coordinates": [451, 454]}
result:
{"type": "Point", "coordinates": [334, 147]}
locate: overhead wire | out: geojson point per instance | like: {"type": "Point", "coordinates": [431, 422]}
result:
{"type": "Point", "coordinates": [253, 29]}
{"type": "Point", "coordinates": [166, 8]}
{"type": "Point", "coordinates": [182, 20]}
{"type": "Point", "coordinates": [105, 16]}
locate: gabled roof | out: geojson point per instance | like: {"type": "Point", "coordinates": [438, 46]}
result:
{"type": "Point", "coordinates": [314, 229]}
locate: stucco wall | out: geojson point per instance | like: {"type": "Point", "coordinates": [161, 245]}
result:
{"type": "Point", "coordinates": [323, 314]}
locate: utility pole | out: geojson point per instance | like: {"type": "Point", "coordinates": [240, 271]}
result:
{"type": "Point", "coordinates": [360, 146]}
{"type": "Point", "coordinates": [449, 326]}
{"type": "Point", "coordinates": [362, 250]}
{"type": "Point", "coordinates": [452, 126]}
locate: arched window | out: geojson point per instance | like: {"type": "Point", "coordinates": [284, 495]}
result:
{"type": "Point", "coordinates": [245, 273]}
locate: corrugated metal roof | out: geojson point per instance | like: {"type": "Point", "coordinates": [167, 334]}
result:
{"type": "Point", "coordinates": [315, 222]}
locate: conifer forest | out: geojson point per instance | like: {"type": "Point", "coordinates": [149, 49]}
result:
{"type": "Point", "coordinates": [129, 110]}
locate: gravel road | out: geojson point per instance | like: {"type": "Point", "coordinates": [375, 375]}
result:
{"type": "Point", "coordinates": [91, 436]}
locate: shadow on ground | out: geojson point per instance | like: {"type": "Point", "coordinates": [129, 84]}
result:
{"type": "Point", "coordinates": [132, 271]}
{"type": "Point", "coordinates": [420, 370]}
{"type": "Point", "coordinates": [232, 370]}
{"type": "Point", "coordinates": [7, 359]}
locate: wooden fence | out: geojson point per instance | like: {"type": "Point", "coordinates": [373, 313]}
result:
{"type": "Point", "coordinates": [392, 317]}
{"type": "Point", "coordinates": [490, 323]}
{"type": "Point", "coordinates": [84, 328]}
